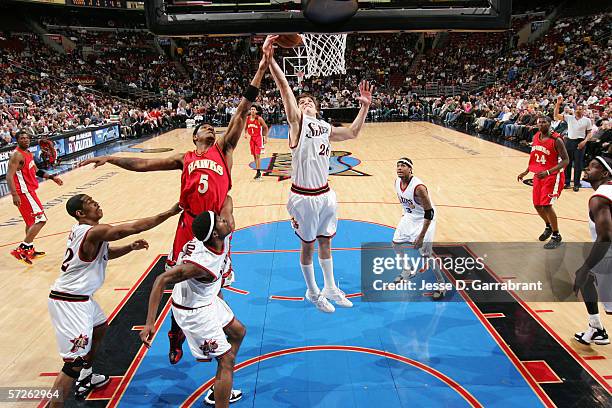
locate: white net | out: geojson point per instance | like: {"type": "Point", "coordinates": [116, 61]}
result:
{"type": "Point", "coordinates": [325, 54]}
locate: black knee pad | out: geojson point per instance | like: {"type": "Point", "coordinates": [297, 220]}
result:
{"type": "Point", "coordinates": [69, 367]}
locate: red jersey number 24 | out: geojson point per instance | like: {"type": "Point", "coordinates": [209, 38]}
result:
{"type": "Point", "coordinates": [540, 159]}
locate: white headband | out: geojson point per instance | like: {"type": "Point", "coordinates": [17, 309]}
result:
{"type": "Point", "coordinates": [604, 163]}
{"type": "Point", "coordinates": [212, 226]}
{"type": "Point", "coordinates": [406, 162]}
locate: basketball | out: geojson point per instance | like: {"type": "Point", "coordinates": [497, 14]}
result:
{"type": "Point", "coordinates": [289, 40]}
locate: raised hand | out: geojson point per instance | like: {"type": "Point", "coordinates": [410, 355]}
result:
{"type": "Point", "coordinates": [139, 244]}
{"type": "Point", "coordinates": [268, 46]}
{"type": "Point", "coordinates": [365, 92]}
{"type": "Point", "coordinates": [98, 161]}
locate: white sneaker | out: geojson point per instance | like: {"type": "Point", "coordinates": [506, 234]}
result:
{"type": "Point", "coordinates": [90, 382]}
{"type": "Point", "coordinates": [407, 274]}
{"type": "Point", "coordinates": [320, 302]}
{"type": "Point", "coordinates": [337, 296]}
{"type": "Point", "coordinates": [593, 335]}
{"type": "Point", "coordinates": [209, 399]}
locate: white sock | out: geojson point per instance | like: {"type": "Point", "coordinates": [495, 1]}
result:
{"type": "Point", "coordinates": [84, 373]}
{"type": "Point", "coordinates": [594, 321]}
{"type": "Point", "coordinates": [309, 278]}
{"type": "Point", "coordinates": [328, 272]}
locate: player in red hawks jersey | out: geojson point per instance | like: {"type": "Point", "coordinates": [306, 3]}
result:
{"type": "Point", "coordinates": [22, 183]}
{"type": "Point", "coordinates": [205, 181]}
{"type": "Point", "coordinates": [257, 129]}
{"type": "Point", "coordinates": [547, 160]}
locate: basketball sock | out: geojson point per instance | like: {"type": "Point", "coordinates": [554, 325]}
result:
{"type": "Point", "coordinates": [174, 326]}
{"type": "Point", "coordinates": [309, 278]}
{"type": "Point", "coordinates": [328, 272]}
{"type": "Point", "coordinates": [594, 321]}
{"type": "Point", "coordinates": [26, 245]}
{"type": "Point", "coordinates": [556, 234]}
{"type": "Point", "coordinates": [548, 226]}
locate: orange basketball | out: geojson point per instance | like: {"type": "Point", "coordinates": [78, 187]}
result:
{"type": "Point", "coordinates": [289, 40]}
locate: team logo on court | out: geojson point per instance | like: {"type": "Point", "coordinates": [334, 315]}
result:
{"type": "Point", "coordinates": [79, 342]}
{"type": "Point", "coordinates": [209, 346]}
{"type": "Point", "coordinates": [341, 163]}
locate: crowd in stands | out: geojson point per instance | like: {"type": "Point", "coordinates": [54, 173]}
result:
{"type": "Point", "coordinates": [38, 90]}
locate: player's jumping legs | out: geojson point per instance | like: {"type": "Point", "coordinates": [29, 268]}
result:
{"type": "Point", "coordinates": [330, 289]}
{"type": "Point", "coordinates": [176, 338]}
{"type": "Point", "coordinates": [313, 293]}
{"type": "Point", "coordinates": [595, 332]}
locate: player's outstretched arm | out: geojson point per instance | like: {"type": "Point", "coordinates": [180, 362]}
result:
{"type": "Point", "coordinates": [294, 116]}
{"type": "Point", "coordinates": [599, 207]}
{"type": "Point", "coordinates": [174, 162]}
{"type": "Point", "coordinates": [365, 98]}
{"type": "Point", "coordinates": [237, 124]}
{"type": "Point", "coordinates": [117, 252]}
{"type": "Point", "coordinates": [177, 274]}
{"type": "Point", "coordinates": [105, 232]}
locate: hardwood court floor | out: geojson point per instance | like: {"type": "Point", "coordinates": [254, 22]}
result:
{"type": "Point", "coordinates": [472, 182]}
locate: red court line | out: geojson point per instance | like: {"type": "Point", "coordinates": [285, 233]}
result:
{"type": "Point", "coordinates": [133, 289]}
{"type": "Point", "coordinates": [493, 315]}
{"type": "Point", "coordinates": [542, 372]}
{"type": "Point", "coordinates": [594, 357]}
{"type": "Point", "coordinates": [544, 311]}
{"type": "Point", "coordinates": [467, 396]}
{"type": "Point", "coordinates": [550, 331]}
{"type": "Point", "coordinates": [139, 328]}
{"type": "Point", "coordinates": [48, 374]}
{"type": "Point", "coordinates": [352, 295]}
{"type": "Point", "coordinates": [118, 289]}
{"type": "Point", "coordinates": [232, 289]}
{"type": "Point", "coordinates": [127, 377]}
{"type": "Point", "coordinates": [297, 299]}
{"type": "Point", "coordinates": [608, 377]}
{"type": "Point", "coordinates": [508, 277]}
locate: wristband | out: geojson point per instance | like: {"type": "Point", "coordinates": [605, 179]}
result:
{"type": "Point", "coordinates": [548, 172]}
{"type": "Point", "coordinates": [251, 93]}
{"type": "Point", "coordinates": [41, 173]}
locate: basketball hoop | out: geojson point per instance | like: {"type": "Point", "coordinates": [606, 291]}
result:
{"type": "Point", "coordinates": [325, 54]}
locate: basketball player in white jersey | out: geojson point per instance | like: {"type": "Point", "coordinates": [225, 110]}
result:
{"type": "Point", "coordinates": [594, 278]}
{"type": "Point", "coordinates": [312, 204]}
{"type": "Point", "coordinates": [418, 223]}
{"type": "Point", "coordinates": [79, 322]}
{"type": "Point", "coordinates": [207, 321]}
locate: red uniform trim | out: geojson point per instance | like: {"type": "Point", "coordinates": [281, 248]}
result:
{"type": "Point", "coordinates": [221, 355]}
{"type": "Point", "coordinates": [327, 236]}
{"type": "Point", "coordinates": [214, 251]}
{"type": "Point", "coordinates": [310, 191]}
{"type": "Point", "coordinates": [308, 242]}
{"type": "Point", "coordinates": [602, 196]}
{"type": "Point", "coordinates": [230, 322]}
{"type": "Point", "coordinates": [67, 297]}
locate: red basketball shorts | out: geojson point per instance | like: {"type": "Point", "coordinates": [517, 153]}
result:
{"type": "Point", "coordinates": [256, 145]}
{"type": "Point", "coordinates": [31, 209]}
{"type": "Point", "coordinates": [547, 190]}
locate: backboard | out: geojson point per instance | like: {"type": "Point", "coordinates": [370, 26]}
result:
{"type": "Point", "coordinates": [247, 17]}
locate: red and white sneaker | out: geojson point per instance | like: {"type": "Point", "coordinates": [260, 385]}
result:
{"type": "Point", "coordinates": [22, 255]}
